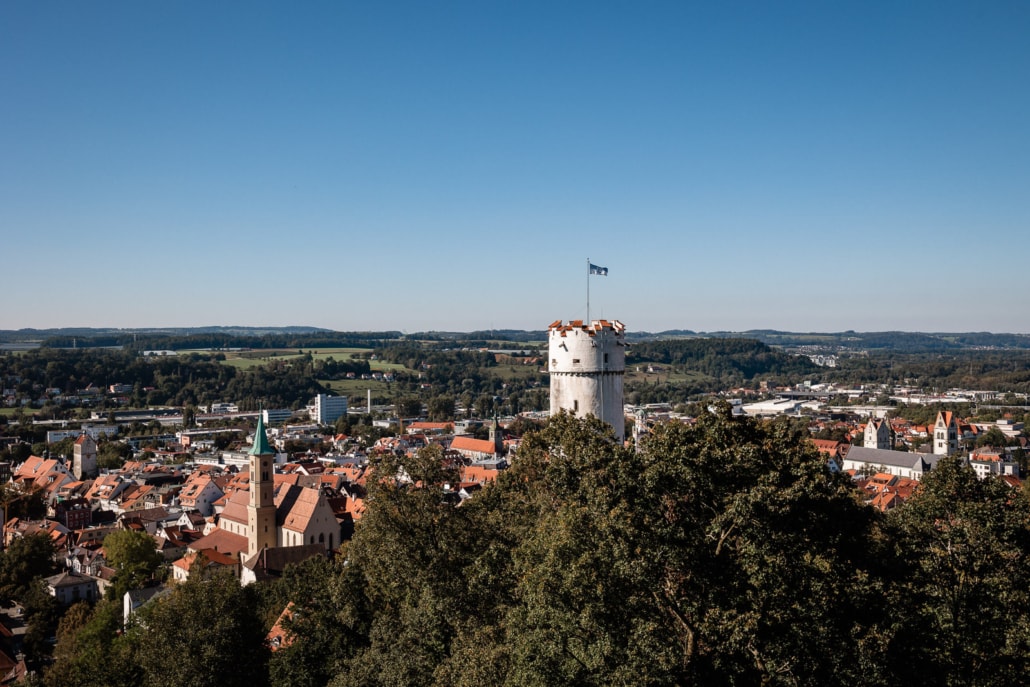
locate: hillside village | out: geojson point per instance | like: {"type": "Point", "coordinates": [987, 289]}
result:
{"type": "Point", "coordinates": [286, 486]}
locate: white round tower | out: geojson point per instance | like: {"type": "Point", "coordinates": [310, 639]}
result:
{"type": "Point", "coordinates": [587, 363]}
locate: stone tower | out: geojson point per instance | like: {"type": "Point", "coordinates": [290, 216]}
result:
{"type": "Point", "coordinates": [945, 434]}
{"type": "Point", "coordinates": [587, 363]}
{"type": "Point", "coordinates": [877, 434]}
{"type": "Point", "coordinates": [261, 529]}
{"type": "Point", "coordinates": [84, 457]}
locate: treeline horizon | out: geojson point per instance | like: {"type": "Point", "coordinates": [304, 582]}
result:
{"type": "Point", "coordinates": [299, 336]}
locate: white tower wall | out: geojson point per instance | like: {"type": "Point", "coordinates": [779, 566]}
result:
{"type": "Point", "coordinates": [587, 364]}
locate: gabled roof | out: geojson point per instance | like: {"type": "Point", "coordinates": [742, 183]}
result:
{"type": "Point", "coordinates": [68, 579]}
{"type": "Point", "coordinates": [467, 443]}
{"type": "Point", "coordinates": [478, 474]}
{"type": "Point", "coordinates": [222, 541]}
{"type": "Point", "coordinates": [295, 506]}
{"type": "Point", "coordinates": [278, 637]}
{"type": "Point", "coordinates": [236, 507]}
{"type": "Point", "coordinates": [902, 459]}
{"type": "Point", "coordinates": [827, 446]}
{"type": "Point", "coordinates": [214, 558]}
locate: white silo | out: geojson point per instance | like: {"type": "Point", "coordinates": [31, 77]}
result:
{"type": "Point", "coordinates": [587, 363]}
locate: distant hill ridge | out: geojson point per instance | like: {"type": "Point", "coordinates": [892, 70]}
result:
{"type": "Point", "coordinates": [319, 336]}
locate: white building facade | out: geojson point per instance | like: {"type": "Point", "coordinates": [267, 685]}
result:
{"type": "Point", "coordinates": [326, 409]}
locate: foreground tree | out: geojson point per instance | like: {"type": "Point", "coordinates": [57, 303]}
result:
{"type": "Point", "coordinates": [962, 586]}
{"type": "Point", "coordinates": [205, 632]}
{"type": "Point", "coordinates": [25, 560]}
{"type": "Point", "coordinates": [721, 553]}
{"type": "Point", "coordinates": [410, 553]}
{"type": "Point", "coordinates": [91, 650]}
{"type": "Point", "coordinates": [135, 557]}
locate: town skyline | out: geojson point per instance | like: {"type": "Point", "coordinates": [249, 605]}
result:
{"type": "Point", "coordinates": [797, 166]}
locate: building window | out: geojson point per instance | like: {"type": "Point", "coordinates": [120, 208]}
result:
{"type": "Point", "coordinates": [575, 406]}
{"type": "Point", "coordinates": [575, 361]}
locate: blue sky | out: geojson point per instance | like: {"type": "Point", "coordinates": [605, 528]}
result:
{"type": "Point", "coordinates": [451, 166]}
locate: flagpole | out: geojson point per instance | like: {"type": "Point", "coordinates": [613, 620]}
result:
{"type": "Point", "coordinates": [588, 292]}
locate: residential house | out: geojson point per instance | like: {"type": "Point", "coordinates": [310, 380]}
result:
{"type": "Point", "coordinates": [993, 461]}
{"type": "Point", "coordinates": [70, 587]}
{"type": "Point", "coordinates": [199, 493]}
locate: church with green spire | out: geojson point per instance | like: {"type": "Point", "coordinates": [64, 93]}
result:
{"type": "Point", "coordinates": [261, 521]}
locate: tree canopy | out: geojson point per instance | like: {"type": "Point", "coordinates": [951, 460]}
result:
{"type": "Point", "coordinates": [720, 552]}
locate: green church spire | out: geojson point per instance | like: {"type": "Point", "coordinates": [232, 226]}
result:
{"type": "Point", "coordinates": [261, 446]}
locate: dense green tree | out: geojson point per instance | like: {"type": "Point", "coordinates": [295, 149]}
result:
{"type": "Point", "coordinates": [112, 455]}
{"type": "Point", "coordinates": [962, 588]}
{"type": "Point", "coordinates": [715, 555]}
{"type": "Point", "coordinates": [41, 614]}
{"type": "Point", "coordinates": [993, 437]}
{"type": "Point", "coordinates": [27, 559]}
{"type": "Point", "coordinates": [135, 558]}
{"type": "Point", "coordinates": [408, 406]}
{"type": "Point", "coordinates": [327, 622]}
{"type": "Point", "coordinates": [96, 653]}
{"type": "Point", "coordinates": [205, 632]}
{"type": "Point", "coordinates": [440, 408]}
{"type": "Point", "coordinates": [410, 550]}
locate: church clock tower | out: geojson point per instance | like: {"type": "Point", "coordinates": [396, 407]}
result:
{"type": "Point", "coordinates": [261, 531]}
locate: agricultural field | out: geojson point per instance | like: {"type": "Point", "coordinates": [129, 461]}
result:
{"type": "Point", "coordinates": [666, 374]}
{"type": "Point", "coordinates": [355, 387]}
{"type": "Point", "coordinates": [514, 372]}
{"type": "Point", "coordinates": [257, 357]}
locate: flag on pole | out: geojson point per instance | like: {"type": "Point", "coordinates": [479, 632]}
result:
{"type": "Point", "coordinates": [595, 269]}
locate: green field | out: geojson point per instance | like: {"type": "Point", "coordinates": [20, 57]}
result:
{"type": "Point", "coordinates": [507, 372]}
{"type": "Point", "coordinates": [667, 375]}
{"type": "Point", "coordinates": [253, 358]}
{"type": "Point", "coordinates": [355, 387]}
